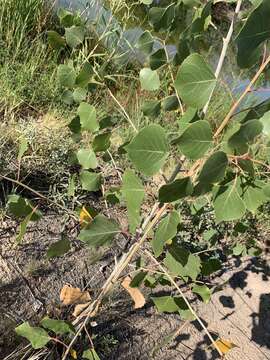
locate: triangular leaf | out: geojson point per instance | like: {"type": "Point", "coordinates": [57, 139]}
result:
{"type": "Point", "coordinates": [175, 190]}
{"type": "Point", "coordinates": [149, 79]}
{"type": "Point", "coordinates": [214, 168]}
{"type": "Point", "coordinates": [87, 158]}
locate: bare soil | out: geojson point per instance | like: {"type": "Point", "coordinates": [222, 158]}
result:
{"type": "Point", "coordinates": [30, 286]}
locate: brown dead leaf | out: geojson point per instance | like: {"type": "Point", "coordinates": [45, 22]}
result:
{"type": "Point", "coordinates": [135, 293]}
{"type": "Point", "coordinates": [70, 295]}
{"type": "Point", "coordinates": [225, 345]}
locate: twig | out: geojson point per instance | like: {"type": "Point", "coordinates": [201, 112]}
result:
{"type": "Point", "coordinates": [226, 42]}
{"type": "Point", "coordinates": [185, 299]}
{"type": "Point", "coordinates": [38, 194]}
{"type": "Point", "coordinates": [237, 103]}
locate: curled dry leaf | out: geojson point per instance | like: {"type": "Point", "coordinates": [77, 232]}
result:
{"type": "Point", "coordinates": [85, 217]}
{"type": "Point", "coordinates": [135, 293]}
{"type": "Point", "coordinates": [70, 295]}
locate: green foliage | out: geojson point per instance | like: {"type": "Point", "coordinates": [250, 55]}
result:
{"type": "Point", "coordinates": [87, 158]}
{"type": "Point", "coordinates": [90, 181]}
{"type": "Point", "coordinates": [59, 248]}
{"type": "Point", "coordinates": [57, 326]}
{"type": "Point", "coordinates": [87, 114]}
{"type": "Point", "coordinates": [90, 355]}
{"type": "Point", "coordinates": [214, 168]}
{"type": "Point", "coordinates": [36, 335]}
{"type": "Point", "coordinates": [149, 79]}
{"type": "Point", "coordinates": [175, 190]}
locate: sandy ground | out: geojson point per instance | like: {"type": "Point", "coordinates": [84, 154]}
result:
{"type": "Point", "coordinates": [30, 286]}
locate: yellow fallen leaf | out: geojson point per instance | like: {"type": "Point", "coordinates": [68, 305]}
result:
{"type": "Point", "coordinates": [225, 345]}
{"type": "Point", "coordinates": [85, 217]}
{"type": "Point", "coordinates": [73, 354]}
{"type": "Point", "coordinates": [135, 293]}
{"type": "Point", "coordinates": [70, 295]}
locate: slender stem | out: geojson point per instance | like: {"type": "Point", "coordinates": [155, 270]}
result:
{"type": "Point", "coordinates": [237, 103]}
{"type": "Point", "coordinates": [226, 42]}
{"type": "Point", "coordinates": [185, 299]}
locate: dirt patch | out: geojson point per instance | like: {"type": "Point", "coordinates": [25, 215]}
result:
{"type": "Point", "coordinates": [30, 286]}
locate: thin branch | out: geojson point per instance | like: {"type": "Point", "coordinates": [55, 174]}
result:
{"type": "Point", "coordinates": [226, 42]}
{"type": "Point", "coordinates": [185, 299]}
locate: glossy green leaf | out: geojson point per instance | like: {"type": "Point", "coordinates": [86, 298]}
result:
{"type": "Point", "coordinates": [149, 79]}
{"type": "Point", "coordinates": [66, 76]}
{"type": "Point", "coordinates": [145, 43]}
{"type": "Point", "coordinates": [88, 117]}
{"type": "Point", "coordinates": [90, 181]}
{"type": "Point", "coordinates": [157, 59]}
{"type": "Point", "coordinates": [149, 149]}
{"type": "Point", "coordinates": [84, 76]}
{"type": "Point", "coordinates": [55, 40]}
{"type": "Point", "coordinates": [214, 168]}
{"type": "Point", "coordinates": [87, 158]}
{"type": "Point", "coordinates": [195, 81]}
{"type": "Point", "coordinates": [57, 326]}
{"type": "Point", "coordinates": [175, 190]}
{"type": "Point", "coordinates": [59, 248]}
{"type": "Point", "coordinates": [99, 232]}
{"type": "Point", "coordinates": [74, 35]}
{"type": "Point", "coordinates": [38, 337]}
{"type": "Point", "coordinates": [133, 193]}
{"type": "Point", "coordinates": [102, 142]}
{"type": "Point", "coordinates": [204, 292]}
{"type": "Point", "coordinates": [166, 230]}
{"type": "Point", "coordinates": [228, 205]}
{"type": "Point", "coordinates": [151, 108]}
{"type": "Point", "coordinates": [254, 32]}
{"type": "Point", "coordinates": [195, 140]}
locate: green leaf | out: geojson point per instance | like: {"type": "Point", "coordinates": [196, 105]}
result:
{"type": "Point", "coordinates": [254, 32]}
{"type": "Point", "coordinates": [102, 142]}
{"type": "Point", "coordinates": [149, 79]}
{"type": "Point", "coordinates": [253, 195]}
{"type": "Point", "coordinates": [145, 43]}
{"type": "Point", "coordinates": [228, 205]}
{"type": "Point", "coordinates": [162, 18]}
{"type": "Point", "coordinates": [23, 227]}
{"type": "Point", "coordinates": [133, 192]}
{"type": "Point", "coordinates": [265, 121]}
{"type": "Point", "coordinates": [266, 191]}
{"type": "Point", "coordinates": [190, 116]}
{"type": "Point", "coordinates": [21, 207]}
{"type": "Point", "coordinates": [75, 125]}
{"type": "Point", "coordinates": [171, 304]}
{"type": "Point", "coordinates": [138, 279]}
{"type": "Point", "coordinates": [238, 249]}
{"type": "Point", "coordinates": [175, 190]}
{"type": "Point", "coordinates": [38, 337]}
{"type": "Point", "coordinates": [79, 95]}
{"type": "Point", "coordinates": [74, 35]}
{"type": "Point", "coordinates": [149, 149]}
{"type": "Point", "coordinates": [23, 147]}
{"type": "Point", "coordinates": [158, 59]}
{"type": "Point", "coordinates": [166, 230]}
{"type": "Point", "coordinates": [87, 114]}
{"type": "Point", "coordinates": [90, 181]}
{"type": "Point", "coordinates": [55, 40]}
{"type": "Point", "coordinates": [66, 76]}
{"type": "Point", "coordinates": [151, 108]}
{"type": "Point", "coordinates": [84, 76]}
{"type": "Point", "coordinates": [195, 140]}
{"type": "Point", "coordinates": [57, 326]}
{"type": "Point", "coordinates": [195, 81]}
{"type": "Point", "coordinates": [204, 292]}
{"type": "Point", "coordinates": [245, 135]}
{"type": "Point", "coordinates": [183, 51]}
{"type": "Point", "coordinates": [66, 17]}
{"type": "Point", "coordinates": [181, 262]}
{"type": "Point", "coordinates": [90, 354]}
{"type": "Point", "coordinates": [170, 103]}
{"type": "Point", "coordinates": [210, 266]}
{"type": "Point", "coordinates": [59, 248]}
{"type": "Point", "coordinates": [99, 232]}
{"type": "Point", "coordinates": [67, 97]}
{"type": "Point", "coordinates": [87, 158]}
{"type": "Point", "coordinates": [214, 168]}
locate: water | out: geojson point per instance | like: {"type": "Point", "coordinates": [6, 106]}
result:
{"type": "Point", "coordinates": [122, 42]}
